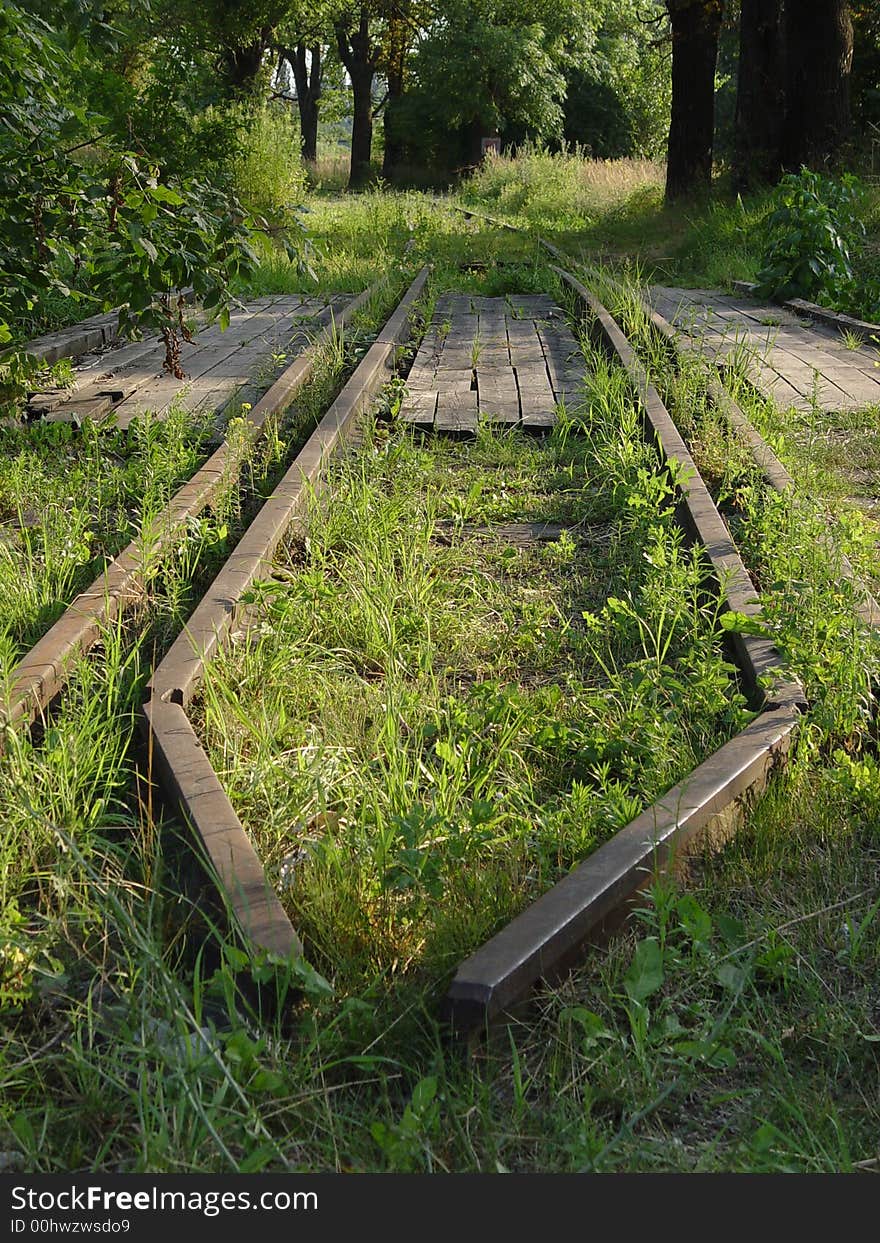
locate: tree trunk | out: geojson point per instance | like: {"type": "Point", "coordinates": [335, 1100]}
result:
{"type": "Point", "coordinates": [396, 60]}
{"type": "Point", "coordinates": [360, 60]}
{"type": "Point", "coordinates": [695, 28]}
{"type": "Point", "coordinates": [760, 95]}
{"type": "Point", "coordinates": [308, 79]}
{"type": "Point", "coordinates": [819, 39]}
{"type": "Point", "coordinates": [361, 129]}
{"type": "Point", "coordinates": [242, 65]}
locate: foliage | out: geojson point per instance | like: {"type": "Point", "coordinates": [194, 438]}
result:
{"type": "Point", "coordinates": [496, 64]}
{"type": "Point", "coordinates": [814, 230]}
{"type": "Point", "coordinates": [267, 170]}
{"type": "Point", "coordinates": [86, 219]}
{"type": "Point", "coordinates": [618, 86]}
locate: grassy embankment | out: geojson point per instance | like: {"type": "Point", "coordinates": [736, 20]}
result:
{"type": "Point", "coordinates": [614, 209]}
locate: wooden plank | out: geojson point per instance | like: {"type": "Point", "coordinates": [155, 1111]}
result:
{"type": "Point", "coordinates": [418, 410]}
{"type": "Point", "coordinates": [124, 371]}
{"type": "Point", "coordinates": [224, 360]}
{"type": "Point", "coordinates": [457, 413]}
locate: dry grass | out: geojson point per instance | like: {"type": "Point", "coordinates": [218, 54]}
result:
{"type": "Point", "coordinates": [539, 185]}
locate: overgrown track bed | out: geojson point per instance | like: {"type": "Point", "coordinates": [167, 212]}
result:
{"type": "Point", "coordinates": [764, 457]}
{"type": "Point", "coordinates": [508, 361]}
{"type": "Point", "coordinates": [540, 941]}
{"type": "Point", "coordinates": [796, 363]}
{"type": "Point", "coordinates": [387, 853]}
{"type": "Point", "coordinates": [182, 765]}
{"type": "Point", "coordinates": [39, 675]}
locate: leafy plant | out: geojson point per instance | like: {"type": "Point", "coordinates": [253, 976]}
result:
{"type": "Point", "coordinates": [86, 220]}
{"type": "Point", "coordinates": [815, 232]}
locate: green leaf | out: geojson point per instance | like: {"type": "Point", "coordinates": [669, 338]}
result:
{"type": "Point", "coordinates": [696, 922]}
{"type": "Point", "coordinates": [732, 977]}
{"type": "Point", "coordinates": [423, 1093]}
{"type": "Point", "coordinates": [164, 194]}
{"type": "Point", "coordinates": [707, 1051]}
{"type": "Point", "coordinates": [731, 930]}
{"type": "Point", "coordinates": [590, 1023]}
{"type": "Point", "coordinates": [267, 1081]}
{"type": "Point", "coordinates": [144, 244]}
{"type": "Point", "coordinates": [740, 623]}
{"type": "Point", "coordinates": [256, 1161]}
{"type": "Point", "coordinates": [645, 975]}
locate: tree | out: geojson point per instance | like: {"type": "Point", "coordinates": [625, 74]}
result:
{"type": "Point", "coordinates": [307, 65]}
{"type": "Point", "coordinates": [819, 52]}
{"type": "Point", "coordinates": [400, 32]}
{"type": "Point", "coordinates": [302, 41]}
{"type": "Point", "coordinates": [760, 94]}
{"type": "Point", "coordinates": [486, 66]}
{"type": "Point", "coordinates": [695, 25]}
{"type": "Point", "coordinates": [237, 36]}
{"type": "Point", "coordinates": [359, 50]}
{"type": "Point", "coordinates": [618, 89]}
{"type": "Point", "coordinates": [84, 216]}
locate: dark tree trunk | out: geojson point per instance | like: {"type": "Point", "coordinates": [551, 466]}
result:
{"type": "Point", "coordinates": [361, 128]}
{"type": "Point", "coordinates": [242, 65]}
{"type": "Point", "coordinates": [760, 95]}
{"type": "Point", "coordinates": [396, 59]}
{"type": "Point", "coordinates": [695, 28]}
{"type": "Point", "coordinates": [359, 58]}
{"type": "Point", "coordinates": [819, 48]}
{"type": "Point", "coordinates": [308, 79]}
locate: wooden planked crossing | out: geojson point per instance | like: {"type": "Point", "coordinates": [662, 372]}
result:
{"type": "Point", "coordinates": [129, 380]}
{"type": "Point", "coordinates": [507, 361]}
{"type": "Point", "coordinates": [793, 361]}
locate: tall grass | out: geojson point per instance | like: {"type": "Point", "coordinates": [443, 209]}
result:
{"type": "Point", "coordinates": [563, 189]}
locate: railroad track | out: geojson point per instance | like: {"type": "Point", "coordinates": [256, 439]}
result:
{"type": "Point", "coordinates": [523, 368]}
{"type": "Point", "coordinates": [41, 673]}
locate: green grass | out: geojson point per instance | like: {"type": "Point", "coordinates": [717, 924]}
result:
{"type": "Point", "coordinates": [733, 1027]}
{"type": "Point", "coordinates": [614, 209]}
{"type": "Point", "coordinates": [70, 499]}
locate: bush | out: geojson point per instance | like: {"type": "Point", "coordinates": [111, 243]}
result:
{"type": "Point", "coordinates": [267, 170]}
{"type": "Point", "coordinates": [815, 234]}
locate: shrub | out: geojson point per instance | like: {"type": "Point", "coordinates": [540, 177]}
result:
{"type": "Point", "coordinates": [815, 232]}
{"type": "Point", "coordinates": [267, 169]}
